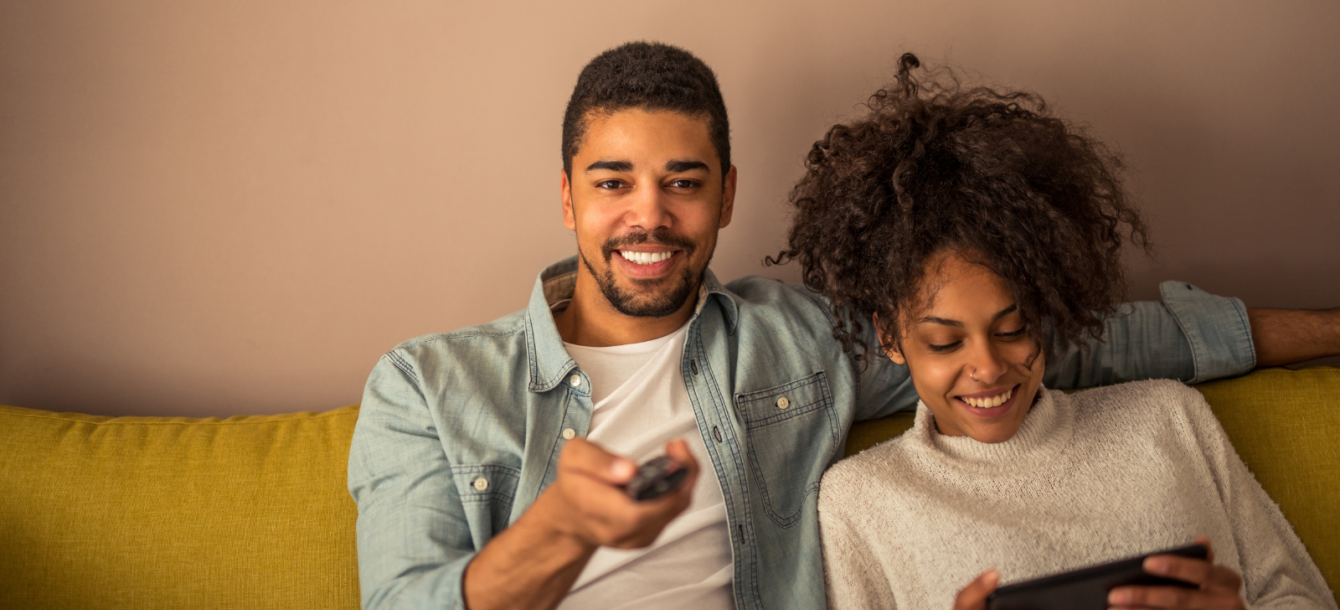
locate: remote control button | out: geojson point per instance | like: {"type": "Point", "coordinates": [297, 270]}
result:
{"type": "Point", "coordinates": [783, 402]}
{"type": "Point", "coordinates": [569, 434]}
{"type": "Point", "coordinates": [481, 484]}
{"type": "Point", "coordinates": [575, 380]}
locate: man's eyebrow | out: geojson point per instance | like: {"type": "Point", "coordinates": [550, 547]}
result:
{"type": "Point", "coordinates": [955, 323]}
{"type": "Point", "coordinates": [614, 166]}
{"type": "Point", "coordinates": [679, 166]}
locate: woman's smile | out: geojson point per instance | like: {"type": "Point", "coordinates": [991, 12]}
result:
{"type": "Point", "coordinates": [988, 404]}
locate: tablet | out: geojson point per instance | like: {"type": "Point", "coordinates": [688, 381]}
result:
{"type": "Point", "coordinates": [1086, 588]}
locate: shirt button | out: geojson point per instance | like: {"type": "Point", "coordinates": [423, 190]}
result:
{"type": "Point", "coordinates": [783, 402]}
{"type": "Point", "coordinates": [569, 434]}
{"type": "Point", "coordinates": [481, 484]}
{"type": "Point", "coordinates": [575, 380]}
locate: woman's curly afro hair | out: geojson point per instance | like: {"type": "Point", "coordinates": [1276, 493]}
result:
{"type": "Point", "coordinates": [987, 174]}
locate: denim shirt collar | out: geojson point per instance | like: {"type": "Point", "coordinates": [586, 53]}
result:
{"type": "Point", "coordinates": [549, 360]}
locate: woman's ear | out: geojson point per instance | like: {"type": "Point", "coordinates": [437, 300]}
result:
{"type": "Point", "coordinates": [888, 344]}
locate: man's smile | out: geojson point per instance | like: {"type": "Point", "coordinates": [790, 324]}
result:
{"type": "Point", "coordinates": [646, 263]}
{"type": "Point", "coordinates": [645, 258]}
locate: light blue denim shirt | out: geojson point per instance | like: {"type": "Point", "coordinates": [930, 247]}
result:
{"type": "Point", "coordinates": [459, 432]}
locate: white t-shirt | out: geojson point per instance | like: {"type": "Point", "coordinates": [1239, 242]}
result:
{"type": "Point", "coordinates": [640, 404]}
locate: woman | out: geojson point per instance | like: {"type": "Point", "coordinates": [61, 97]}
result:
{"type": "Point", "coordinates": [980, 235]}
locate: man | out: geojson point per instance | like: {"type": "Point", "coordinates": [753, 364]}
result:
{"type": "Point", "coordinates": [488, 462]}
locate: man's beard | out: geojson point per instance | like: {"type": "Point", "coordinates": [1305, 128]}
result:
{"type": "Point", "coordinates": [655, 305]}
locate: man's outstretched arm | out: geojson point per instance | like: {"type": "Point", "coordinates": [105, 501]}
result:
{"type": "Point", "coordinates": [1287, 336]}
{"type": "Point", "coordinates": [1191, 335]}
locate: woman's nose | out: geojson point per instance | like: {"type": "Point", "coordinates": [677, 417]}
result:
{"type": "Point", "coordinates": [986, 365]}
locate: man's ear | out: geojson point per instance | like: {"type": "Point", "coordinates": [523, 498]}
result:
{"type": "Point", "coordinates": [565, 191]}
{"type": "Point", "coordinates": [727, 198]}
{"type": "Point", "coordinates": [888, 344]}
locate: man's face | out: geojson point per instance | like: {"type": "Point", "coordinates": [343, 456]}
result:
{"type": "Point", "coordinates": [646, 199]}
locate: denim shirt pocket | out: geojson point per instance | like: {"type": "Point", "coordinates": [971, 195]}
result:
{"type": "Point", "coordinates": [486, 492]}
{"type": "Point", "coordinates": [787, 427]}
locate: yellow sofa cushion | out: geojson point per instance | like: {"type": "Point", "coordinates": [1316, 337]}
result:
{"type": "Point", "coordinates": [1286, 426]}
{"type": "Point", "coordinates": [156, 512]}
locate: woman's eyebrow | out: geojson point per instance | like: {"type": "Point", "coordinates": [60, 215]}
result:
{"type": "Point", "coordinates": [955, 323]}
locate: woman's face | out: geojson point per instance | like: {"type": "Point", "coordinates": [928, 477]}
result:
{"type": "Point", "coordinates": [970, 356]}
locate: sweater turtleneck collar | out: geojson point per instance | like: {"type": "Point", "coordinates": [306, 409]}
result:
{"type": "Point", "coordinates": [1043, 435]}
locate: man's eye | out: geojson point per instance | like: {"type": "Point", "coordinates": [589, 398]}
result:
{"type": "Point", "coordinates": [609, 184]}
{"type": "Point", "coordinates": [944, 348]}
{"type": "Point", "coordinates": [684, 184]}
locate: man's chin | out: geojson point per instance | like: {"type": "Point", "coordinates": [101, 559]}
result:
{"type": "Point", "coordinates": [649, 306]}
{"type": "Point", "coordinates": [648, 298]}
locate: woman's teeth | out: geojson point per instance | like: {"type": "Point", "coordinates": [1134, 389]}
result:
{"type": "Point", "coordinates": [988, 402]}
{"type": "Point", "coordinates": [645, 258]}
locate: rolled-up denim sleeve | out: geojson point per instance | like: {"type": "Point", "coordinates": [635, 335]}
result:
{"type": "Point", "coordinates": [1192, 335]}
{"type": "Point", "coordinates": [413, 540]}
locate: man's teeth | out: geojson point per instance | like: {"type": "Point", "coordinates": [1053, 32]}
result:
{"type": "Point", "coordinates": [645, 258]}
{"type": "Point", "coordinates": [988, 402]}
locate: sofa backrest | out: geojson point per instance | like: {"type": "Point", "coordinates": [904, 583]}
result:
{"type": "Point", "coordinates": [176, 513]}
{"type": "Point", "coordinates": [1286, 426]}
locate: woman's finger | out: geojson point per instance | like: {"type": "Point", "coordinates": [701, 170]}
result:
{"type": "Point", "coordinates": [973, 596]}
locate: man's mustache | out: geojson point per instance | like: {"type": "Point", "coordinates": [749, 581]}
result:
{"type": "Point", "coordinates": [661, 237]}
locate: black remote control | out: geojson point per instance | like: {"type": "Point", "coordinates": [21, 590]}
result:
{"type": "Point", "coordinates": [655, 478]}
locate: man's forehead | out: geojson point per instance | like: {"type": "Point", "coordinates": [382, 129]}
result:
{"type": "Point", "coordinates": [666, 139]}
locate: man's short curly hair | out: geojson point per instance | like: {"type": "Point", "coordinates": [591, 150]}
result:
{"type": "Point", "coordinates": [651, 76]}
{"type": "Point", "coordinates": [982, 172]}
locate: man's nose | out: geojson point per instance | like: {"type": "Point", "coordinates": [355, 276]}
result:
{"type": "Point", "coordinates": [648, 208]}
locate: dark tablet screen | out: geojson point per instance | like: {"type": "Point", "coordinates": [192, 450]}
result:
{"type": "Point", "coordinates": [1085, 588]}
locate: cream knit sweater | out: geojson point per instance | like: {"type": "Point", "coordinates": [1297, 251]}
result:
{"type": "Point", "coordinates": [1090, 477]}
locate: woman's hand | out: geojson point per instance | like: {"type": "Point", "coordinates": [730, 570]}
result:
{"type": "Point", "coordinates": [1217, 585]}
{"type": "Point", "coordinates": [973, 596]}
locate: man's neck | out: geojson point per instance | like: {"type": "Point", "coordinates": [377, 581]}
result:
{"type": "Point", "coordinates": [590, 320]}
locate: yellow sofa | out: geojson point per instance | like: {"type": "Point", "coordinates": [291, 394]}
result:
{"type": "Point", "coordinates": [251, 512]}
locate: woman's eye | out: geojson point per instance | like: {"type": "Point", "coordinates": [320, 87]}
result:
{"type": "Point", "coordinates": [943, 348]}
{"type": "Point", "coordinates": [1014, 334]}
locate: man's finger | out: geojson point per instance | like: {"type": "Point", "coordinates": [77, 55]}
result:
{"type": "Point", "coordinates": [973, 596]}
{"type": "Point", "coordinates": [676, 500]}
{"type": "Point", "coordinates": [678, 450]}
{"type": "Point", "coordinates": [589, 459]}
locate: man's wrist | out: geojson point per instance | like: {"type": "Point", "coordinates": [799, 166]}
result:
{"type": "Point", "coordinates": [537, 556]}
{"type": "Point", "coordinates": [549, 523]}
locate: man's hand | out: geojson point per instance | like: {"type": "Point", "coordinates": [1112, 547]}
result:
{"type": "Point", "coordinates": [533, 563]}
{"type": "Point", "coordinates": [1217, 586]}
{"type": "Point", "coordinates": [973, 596]}
{"type": "Point", "coordinates": [587, 501]}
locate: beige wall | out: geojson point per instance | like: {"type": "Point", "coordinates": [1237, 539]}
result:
{"type": "Point", "coordinates": [212, 208]}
